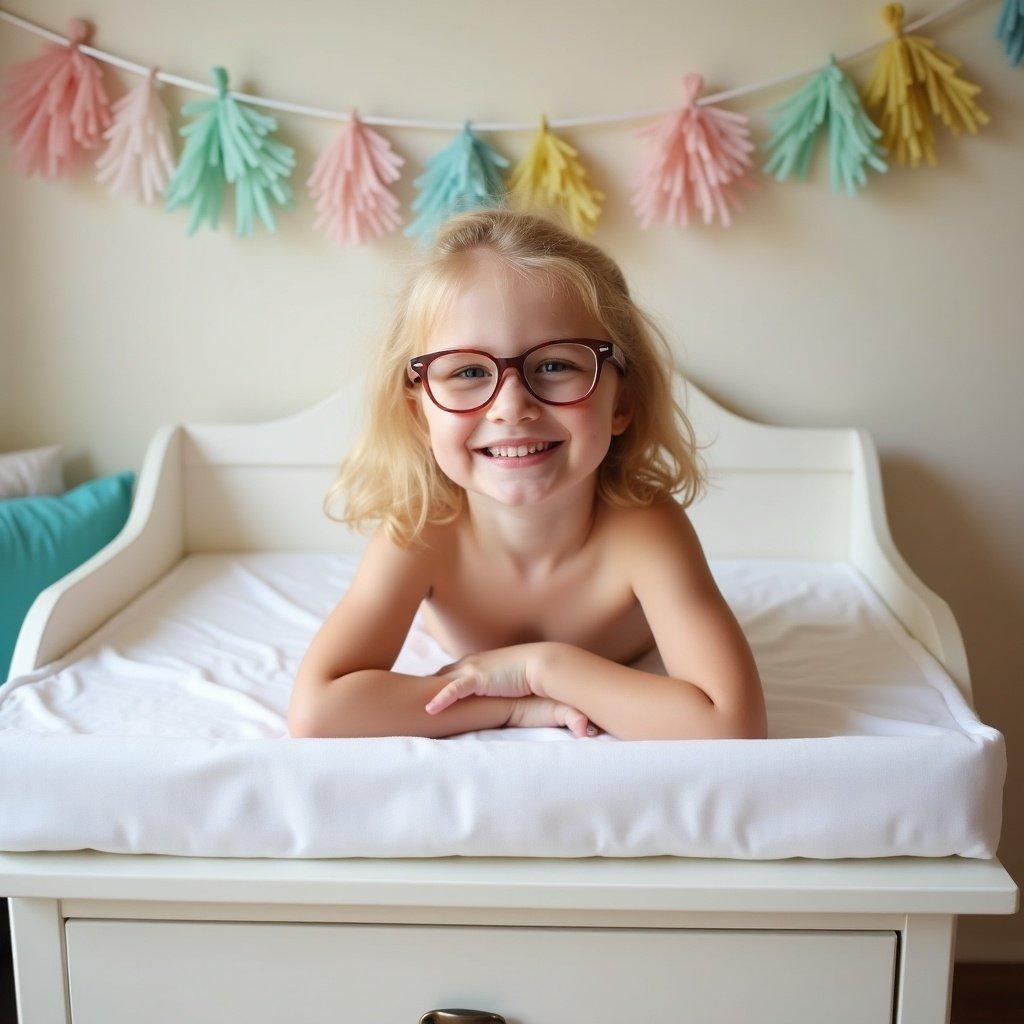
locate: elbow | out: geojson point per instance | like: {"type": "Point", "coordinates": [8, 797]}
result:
{"type": "Point", "coordinates": [717, 723]}
{"type": "Point", "coordinates": [747, 724]}
{"type": "Point", "coordinates": [750, 732]}
{"type": "Point", "coordinates": [324, 709]}
{"type": "Point", "coordinates": [302, 722]}
{"type": "Point", "coordinates": [305, 712]}
{"type": "Point", "coordinates": [726, 726]}
{"type": "Point", "coordinates": [721, 721]}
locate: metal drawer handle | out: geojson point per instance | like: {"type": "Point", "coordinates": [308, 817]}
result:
{"type": "Point", "coordinates": [461, 1017]}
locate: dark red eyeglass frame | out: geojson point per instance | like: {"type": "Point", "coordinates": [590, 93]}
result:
{"type": "Point", "coordinates": [416, 371]}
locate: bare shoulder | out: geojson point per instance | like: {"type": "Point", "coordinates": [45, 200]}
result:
{"type": "Point", "coordinates": [698, 636]}
{"type": "Point", "coordinates": [661, 510]}
{"type": "Point", "coordinates": [369, 623]}
{"type": "Point", "coordinates": [439, 547]}
{"type": "Point", "coordinates": [415, 563]}
{"type": "Point", "coordinates": [657, 534]}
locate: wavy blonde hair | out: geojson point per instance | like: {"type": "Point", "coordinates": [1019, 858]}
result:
{"type": "Point", "coordinates": [391, 476]}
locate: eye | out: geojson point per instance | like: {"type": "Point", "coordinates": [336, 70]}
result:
{"type": "Point", "coordinates": [555, 362]}
{"type": "Point", "coordinates": [469, 369]}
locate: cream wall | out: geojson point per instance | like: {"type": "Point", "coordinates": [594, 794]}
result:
{"type": "Point", "coordinates": [897, 311]}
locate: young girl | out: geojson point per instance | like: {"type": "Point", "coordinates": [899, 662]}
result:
{"type": "Point", "coordinates": [522, 457]}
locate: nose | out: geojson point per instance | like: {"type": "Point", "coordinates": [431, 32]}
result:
{"type": "Point", "coordinates": [512, 398]}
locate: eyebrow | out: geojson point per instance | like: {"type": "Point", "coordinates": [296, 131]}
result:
{"type": "Point", "coordinates": [484, 346]}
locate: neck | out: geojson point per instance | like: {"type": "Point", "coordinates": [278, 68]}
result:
{"type": "Point", "coordinates": [532, 541]}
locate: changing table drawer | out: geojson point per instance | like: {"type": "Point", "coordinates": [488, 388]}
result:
{"type": "Point", "coordinates": [209, 971]}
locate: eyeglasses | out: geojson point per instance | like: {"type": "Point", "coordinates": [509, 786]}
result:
{"type": "Point", "coordinates": [562, 372]}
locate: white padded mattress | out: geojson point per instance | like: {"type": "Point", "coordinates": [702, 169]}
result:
{"type": "Point", "coordinates": [165, 732]}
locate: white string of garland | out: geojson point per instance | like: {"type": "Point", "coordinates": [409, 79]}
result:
{"type": "Point", "coordinates": [489, 126]}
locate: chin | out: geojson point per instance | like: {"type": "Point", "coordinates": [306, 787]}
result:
{"type": "Point", "coordinates": [520, 497]}
{"type": "Point", "coordinates": [517, 502]}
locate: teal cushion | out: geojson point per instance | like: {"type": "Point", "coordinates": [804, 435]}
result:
{"type": "Point", "coordinates": [43, 538]}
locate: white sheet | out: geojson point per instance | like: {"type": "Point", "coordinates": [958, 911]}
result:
{"type": "Point", "coordinates": [165, 733]}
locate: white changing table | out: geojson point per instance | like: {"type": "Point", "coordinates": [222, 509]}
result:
{"type": "Point", "coordinates": [111, 938]}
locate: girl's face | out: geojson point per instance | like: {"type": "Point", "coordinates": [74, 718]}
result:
{"type": "Point", "coordinates": [505, 315]}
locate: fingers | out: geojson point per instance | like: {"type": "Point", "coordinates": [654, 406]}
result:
{"type": "Point", "coordinates": [448, 695]}
{"type": "Point", "coordinates": [578, 723]}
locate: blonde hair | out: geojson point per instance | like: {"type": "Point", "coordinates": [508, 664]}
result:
{"type": "Point", "coordinates": [391, 476]}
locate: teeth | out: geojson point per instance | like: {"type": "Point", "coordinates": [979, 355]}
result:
{"type": "Point", "coordinates": [519, 451]}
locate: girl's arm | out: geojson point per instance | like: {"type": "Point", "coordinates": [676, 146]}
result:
{"type": "Point", "coordinates": [376, 702]}
{"type": "Point", "coordinates": [632, 704]}
{"type": "Point", "coordinates": [344, 686]}
{"type": "Point", "coordinates": [713, 690]}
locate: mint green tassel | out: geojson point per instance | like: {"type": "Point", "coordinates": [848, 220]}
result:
{"type": "Point", "coordinates": [228, 142]}
{"type": "Point", "coordinates": [465, 175]}
{"type": "Point", "coordinates": [1010, 28]}
{"type": "Point", "coordinates": [831, 96]}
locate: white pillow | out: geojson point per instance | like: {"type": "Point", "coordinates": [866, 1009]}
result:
{"type": "Point", "coordinates": [33, 471]}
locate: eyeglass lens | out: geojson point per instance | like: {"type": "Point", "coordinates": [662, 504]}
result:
{"type": "Point", "coordinates": [559, 372]}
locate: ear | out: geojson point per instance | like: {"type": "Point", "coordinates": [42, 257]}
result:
{"type": "Point", "coordinates": [623, 413]}
{"type": "Point", "coordinates": [419, 417]}
{"type": "Point", "coordinates": [412, 400]}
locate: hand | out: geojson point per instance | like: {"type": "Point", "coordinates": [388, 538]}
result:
{"type": "Point", "coordinates": [505, 672]}
{"type": "Point", "coordinates": [536, 712]}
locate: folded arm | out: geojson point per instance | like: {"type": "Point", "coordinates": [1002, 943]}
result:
{"type": "Point", "coordinates": [344, 686]}
{"type": "Point", "coordinates": [712, 691]}
{"type": "Point", "coordinates": [375, 702]}
{"type": "Point", "coordinates": [632, 704]}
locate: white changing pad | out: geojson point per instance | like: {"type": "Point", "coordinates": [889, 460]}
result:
{"type": "Point", "coordinates": [165, 732]}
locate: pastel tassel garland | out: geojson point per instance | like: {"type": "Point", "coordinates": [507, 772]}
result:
{"type": "Point", "coordinates": [551, 175]}
{"type": "Point", "coordinates": [137, 161]}
{"type": "Point", "coordinates": [229, 142]}
{"type": "Point", "coordinates": [828, 96]}
{"type": "Point", "coordinates": [465, 175]}
{"type": "Point", "coordinates": [55, 106]}
{"type": "Point", "coordinates": [1010, 28]}
{"type": "Point", "coordinates": [349, 184]}
{"type": "Point", "coordinates": [909, 71]}
{"type": "Point", "coordinates": [699, 153]}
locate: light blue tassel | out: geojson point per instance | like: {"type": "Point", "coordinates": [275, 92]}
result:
{"type": "Point", "coordinates": [1010, 28]}
{"type": "Point", "coordinates": [828, 96]}
{"type": "Point", "coordinates": [465, 175]}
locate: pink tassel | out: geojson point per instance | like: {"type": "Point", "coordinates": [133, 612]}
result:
{"type": "Point", "coordinates": [137, 161]}
{"type": "Point", "coordinates": [55, 106]}
{"type": "Point", "coordinates": [699, 152]}
{"type": "Point", "coordinates": [349, 184]}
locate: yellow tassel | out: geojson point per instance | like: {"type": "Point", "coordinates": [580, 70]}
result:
{"type": "Point", "coordinates": [909, 69]}
{"type": "Point", "coordinates": [551, 175]}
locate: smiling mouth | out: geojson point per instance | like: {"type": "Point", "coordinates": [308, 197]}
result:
{"type": "Point", "coordinates": [512, 453]}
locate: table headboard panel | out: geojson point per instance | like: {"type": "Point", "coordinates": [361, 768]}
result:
{"type": "Point", "coordinates": [773, 491]}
